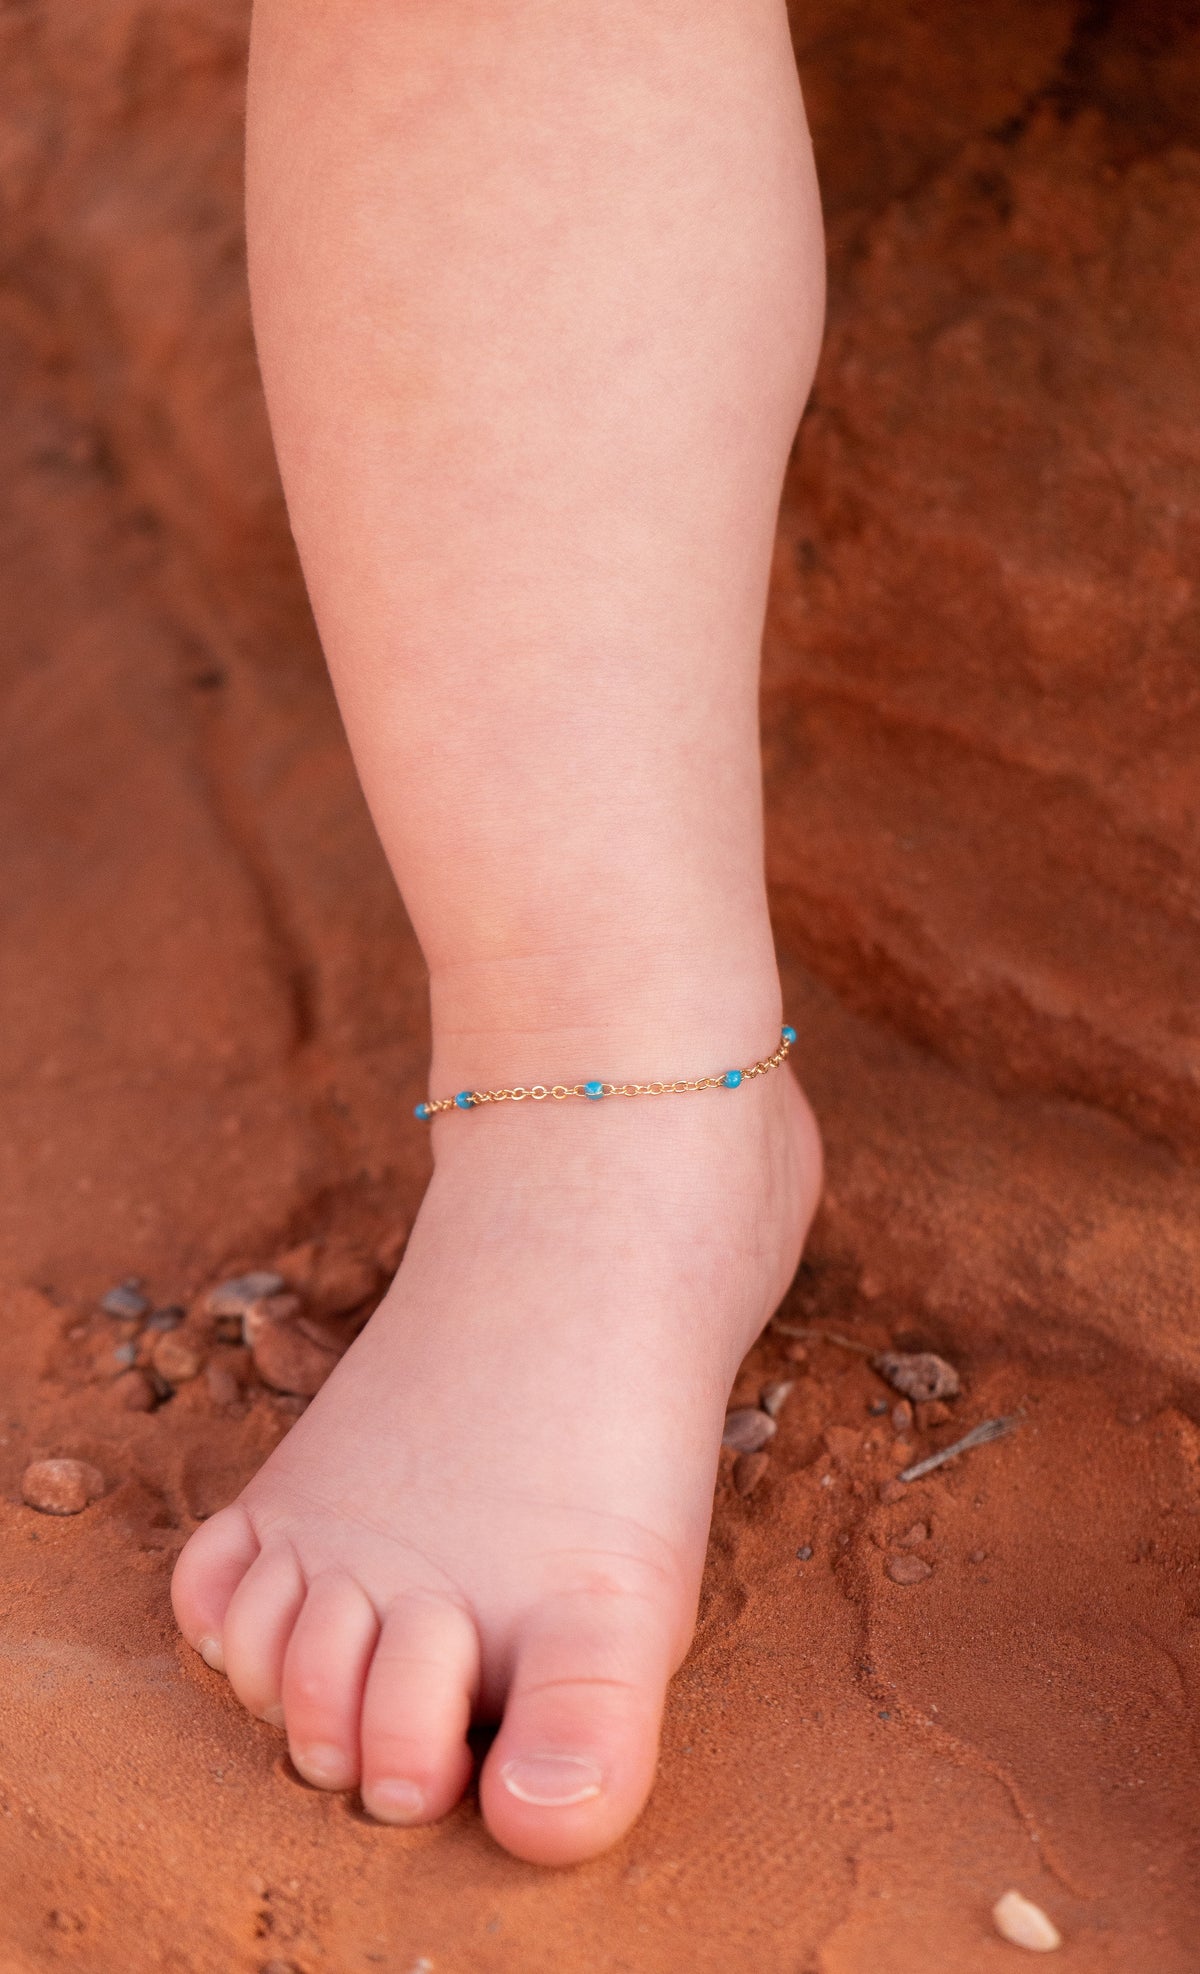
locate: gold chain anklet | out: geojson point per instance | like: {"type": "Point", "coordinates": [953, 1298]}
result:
{"type": "Point", "coordinates": [728, 1079]}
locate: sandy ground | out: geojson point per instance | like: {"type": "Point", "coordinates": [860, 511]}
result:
{"type": "Point", "coordinates": [981, 730]}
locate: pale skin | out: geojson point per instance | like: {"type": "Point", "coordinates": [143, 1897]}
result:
{"type": "Point", "coordinates": [538, 290]}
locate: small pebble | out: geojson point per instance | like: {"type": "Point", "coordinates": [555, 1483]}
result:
{"type": "Point", "coordinates": [907, 1569]}
{"type": "Point", "coordinates": [919, 1374]}
{"type": "Point", "coordinates": [775, 1396]}
{"type": "Point", "coordinates": [125, 1354]}
{"type": "Point", "coordinates": [804, 1552]}
{"type": "Point", "coordinates": [344, 1281]}
{"type": "Point", "coordinates": [289, 1361]}
{"type": "Point", "coordinates": [223, 1387]}
{"type": "Point", "coordinates": [902, 1416]}
{"type": "Point", "coordinates": [176, 1359]}
{"type": "Point", "coordinates": [748, 1470]}
{"type": "Point", "coordinates": [932, 1412]}
{"type": "Point", "coordinates": [233, 1297]}
{"type": "Point", "coordinates": [877, 1407]}
{"type": "Point", "coordinates": [332, 1277]}
{"type": "Point", "coordinates": [125, 1302]}
{"type": "Point", "coordinates": [892, 1490]}
{"type": "Point", "coordinates": [132, 1392]}
{"type": "Point", "coordinates": [747, 1429]}
{"type": "Point", "coordinates": [331, 1332]}
{"type": "Point", "coordinates": [61, 1487]}
{"type": "Point", "coordinates": [977, 1556]}
{"type": "Point", "coordinates": [913, 1537]}
{"type": "Point", "coordinates": [1024, 1924]}
{"type": "Point", "coordinates": [268, 1309]}
{"type": "Point", "coordinates": [168, 1318]}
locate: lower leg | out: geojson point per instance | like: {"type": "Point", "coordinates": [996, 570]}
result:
{"type": "Point", "coordinates": [538, 293]}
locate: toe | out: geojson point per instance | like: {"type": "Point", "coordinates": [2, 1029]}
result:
{"type": "Point", "coordinates": [416, 1711]}
{"type": "Point", "coordinates": [209, 1570]}
{"type": "Point", "coordinates": [324, 1671]}
{"type": "Point", "coordinates": [574, 1760]}
{"type": "Point", "coordinates": [258, 1625]}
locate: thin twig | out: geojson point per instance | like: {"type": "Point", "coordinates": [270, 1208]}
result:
{"type": "Point", "coordinates": [978, 1436]}
{"type": "Point", "coordinates": [824, 1336]}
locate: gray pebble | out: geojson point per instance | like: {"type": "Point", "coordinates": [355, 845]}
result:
{"type": "Point", "coordinates": [167, 1319]}
{"type": "Point", "coordinates": [125, 1354]}
{"type": "Point", "coordinates": [747, 1429]}
{"type": "Point", "coordinates": [804, 1553]}
{"type": "Point", "coordinates": [125, 1302]}
{"type": "Point", "coordinates": [233, 1297]}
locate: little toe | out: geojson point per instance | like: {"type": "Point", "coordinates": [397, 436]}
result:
{"type": "Point", "coordinates": [258, 1625]}
{"type": "Point", "coordinates": [324, 1671]}
{"type": "Point", "coordinates": [416, 1711]}
{"type": "Point", "coordinates": [210, 1567]}
{"type": "Point", "coordinates": [574, 1760]}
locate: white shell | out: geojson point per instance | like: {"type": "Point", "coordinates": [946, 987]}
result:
{"type": "Point", "coordinates": [1024, 1924]}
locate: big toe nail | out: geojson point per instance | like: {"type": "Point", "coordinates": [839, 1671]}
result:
{"type": "Point", "coordinates": [552, 1781]}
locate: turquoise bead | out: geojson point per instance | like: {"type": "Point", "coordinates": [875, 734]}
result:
{"type": "Point", "coordinates": [787, 1034]}
{"type": "Point", "coordinates": [421, 1111]}
{"type": "Point", "coordinates": [593, 1090]}
{"type": "Point", "coordinates": [464, 1100]}
{"type": "Point", "coordinates": [732, 1078]}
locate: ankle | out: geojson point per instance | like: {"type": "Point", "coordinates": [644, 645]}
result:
{"type": "Point", "coordinates": [615, 1012]}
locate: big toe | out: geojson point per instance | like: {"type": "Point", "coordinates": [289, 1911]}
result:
{"type": "Point", "coordinates": [575, 1757]}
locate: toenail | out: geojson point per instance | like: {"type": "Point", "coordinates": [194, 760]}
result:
{"type": "Point", "coordinates": [551, 1781]}
{"type": "Point", "coordinates": [272, 1715]}
{"type": "Point", "coordinates": [394, 1801]}
{"type": "Point", "coordinates": [325, 1765]}
{"type": "Point", "coordinates": [210, 1651]}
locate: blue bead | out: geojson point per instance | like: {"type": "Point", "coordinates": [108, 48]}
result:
{"type": "Point", "coordinates": [732, 1078]}
{"type": "Point", "coordinates": [421, 1111]}
{"type": "Point", "coordinates": [787, 1034]}
{"type": "Point", "coordinates": [464, 1100]}
{"type": "Point", "coordinates": [593, 1090]}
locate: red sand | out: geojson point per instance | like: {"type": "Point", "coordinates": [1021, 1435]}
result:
{"type": "Point", "coordinates": [982, 734]}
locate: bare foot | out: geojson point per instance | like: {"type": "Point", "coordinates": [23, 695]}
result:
{"type": "Point", "coordinates": [498, 1506]}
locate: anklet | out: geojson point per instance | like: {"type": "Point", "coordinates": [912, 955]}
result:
{"type": "Point", "coordinates": [728, 1079]}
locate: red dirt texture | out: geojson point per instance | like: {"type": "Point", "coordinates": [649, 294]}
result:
{"type": "Point", "coordinates": [982, 728]}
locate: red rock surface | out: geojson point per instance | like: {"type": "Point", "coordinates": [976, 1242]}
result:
{"type": "Point", "coordinates": [981, 731]}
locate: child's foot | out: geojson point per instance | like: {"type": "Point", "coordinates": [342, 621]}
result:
{"type": "Point", "coordinates": [499, 1503]}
